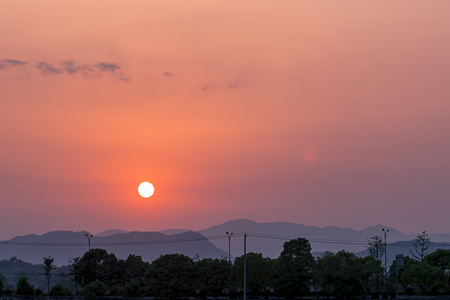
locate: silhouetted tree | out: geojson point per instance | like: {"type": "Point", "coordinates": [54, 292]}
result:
{"type": "Point", "coordinates": [133, 288]}
{"type": "Point", "coordinates": [421, 246]}
{"type": "Point", "coordinates": [260, 273]}
{"type": "Point", "coordinates": [95, 288]}
{"type": "Point", "coordinates": [376, 250]}
{"type": "Point", "coordinates": [6, 287]}
{"type": "Point", "coordinates": [372, 269]}
{"type": "Point", "coordinates": [75, 271]}
{"type": "Point", "coordinates": [424, 276]}
{"type": "Point", "coordinates": [295, 267]}
{"type": "Point", "coordinates": [340, 275]}
{"type": "Point", "coordinates": [408, 261]}
{"type": "Point", "coordinates": [97, 264]}
{"type": "Point", "coordinates": [132, 268]}
{"type": "Point", "coordinates": [212, 276]}
{"type": "Point", "coordinates": [48, 267]}
{"type": "Point", "coordinates": [439, 258]}
{"type": "Point", "coordinates": [23, 287]}
{"type": "Point", "coordinates": [59, 290]}
{"type": "Point", "coordinates": [171, 276]}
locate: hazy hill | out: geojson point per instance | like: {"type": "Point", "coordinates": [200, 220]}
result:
{"type": "Point", "coordinates": [265, 238]}
{"type": "Point", "coordinates": [13, 269]}
{"type": "Point", "coordinates": [64, 245]}
{"type": "Point", "coordinates": [174, 231]}
{"type": "Point", "coordinates": [405, 248]}
{"type": "Point", "coordinates": [439, 237]}
{"type": "Point", "coordinates": [322, 239]}
{"type": "Point", "coordinates": [110, 232]}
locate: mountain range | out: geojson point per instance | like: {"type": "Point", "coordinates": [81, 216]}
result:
{"type": "Point", "coordinates": [212, 242]}
{"type": "Point", "coordinates": [66, 245]}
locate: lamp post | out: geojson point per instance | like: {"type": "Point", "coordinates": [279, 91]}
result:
{"type": "Point", "coordinates": [229, 242]}
{"type": "Point", "coordinates": [385, 231]}
{"type": "Point", "coordinates": [89, 236]}
{"type": "Point", "coordinates": [245, 266]}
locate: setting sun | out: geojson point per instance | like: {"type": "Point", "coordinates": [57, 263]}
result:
{"type": "Point", "coordinates": [146, 189]}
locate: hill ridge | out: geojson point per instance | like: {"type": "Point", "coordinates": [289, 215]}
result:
{"type": "Point", "coordinates": [151, 244]}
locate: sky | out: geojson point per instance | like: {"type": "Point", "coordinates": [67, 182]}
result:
{"type": "Point", "coordinates": [324, 113]}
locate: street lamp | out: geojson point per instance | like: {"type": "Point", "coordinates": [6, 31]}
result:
{"type": "Point", "coordinates": [89, 236]}
{"type": "Point", "coordinates": [385, 231]}
{"type": "Point", "coordinates": [245, 266]}
{"type": "Point", "coordinates": [229, 242]}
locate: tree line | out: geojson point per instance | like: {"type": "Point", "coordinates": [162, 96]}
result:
{"type": "Point", "coordinates": [294, 274]}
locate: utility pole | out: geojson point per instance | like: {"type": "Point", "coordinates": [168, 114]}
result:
{"type": "Point", "coordinates": [89, 236]}
{"type": "Point", "coordinates": [245, 266]}
{"type": "Point", "coordinates": [385, 231]}
{"type": "Point", "coordinates": [229, 242]}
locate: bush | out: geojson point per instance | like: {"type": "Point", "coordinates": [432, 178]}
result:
{"type": "Point", "coordinates": [59, 290]}
{"type": "Point", "coordinates": [132, 288]}
{"type": "Point", "coordinates": [94, 289]}
{"type": "Point", "coordinates": [23, 287]}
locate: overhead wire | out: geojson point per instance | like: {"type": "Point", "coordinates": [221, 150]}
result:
{"type": "Point", "coordinates": [204, 238]}
{"type": "Point", "coordinates": [214, 237]}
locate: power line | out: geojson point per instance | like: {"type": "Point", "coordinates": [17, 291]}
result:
{"type": "Point", "coordinates": [287, 238]}
{"type": "Point", "coordinates": [111, 243]}
{"type": "Point", "coordinates": [342, 242]}
{"type": "Point", "coordinates": [215, 237]}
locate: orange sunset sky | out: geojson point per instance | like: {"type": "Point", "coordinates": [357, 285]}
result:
{"type": "Point", "coordinates": [314, 112]}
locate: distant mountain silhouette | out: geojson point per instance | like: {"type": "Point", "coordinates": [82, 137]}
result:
{"type": "Point", "coordinates": [439, 237]}
{"type": "Point", "coordinates": [110, 232]}
{"type": "Point", "coordinates": [328, 238]}
{"type": "Point", "coordinates": [64, 245]}
{"type": "Point", "coordinates": [405, 248]}
{"type": "Point", "coordinates": [265, 238]}
{"type": "Point", "coordinates": [174, 231]}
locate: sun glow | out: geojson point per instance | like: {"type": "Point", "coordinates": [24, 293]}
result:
{"type": "Point", "coordinates": [146, 189]}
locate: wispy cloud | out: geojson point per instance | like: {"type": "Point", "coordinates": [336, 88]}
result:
{"type": "Point", "coordinates": [114, 68]}
{"type": "Point", "coordinates": [204, 87]}
{"type": "Point", "coordinates": [233, 85]}
{"type": "Point", "coordinates": [47, 68]}
{"type": "Point", "coordinates": [168, 74]}
{"type": "Point", "coordinates": [104, 67]}
{"type": "Point", "coordinates": [72, 67]}
{"type": "Point", "coordinates": [11, 63]}
{"type": "Point", "coordinates": [123, 77]}
{"type": "Point", "coordinates": [15, 62]}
